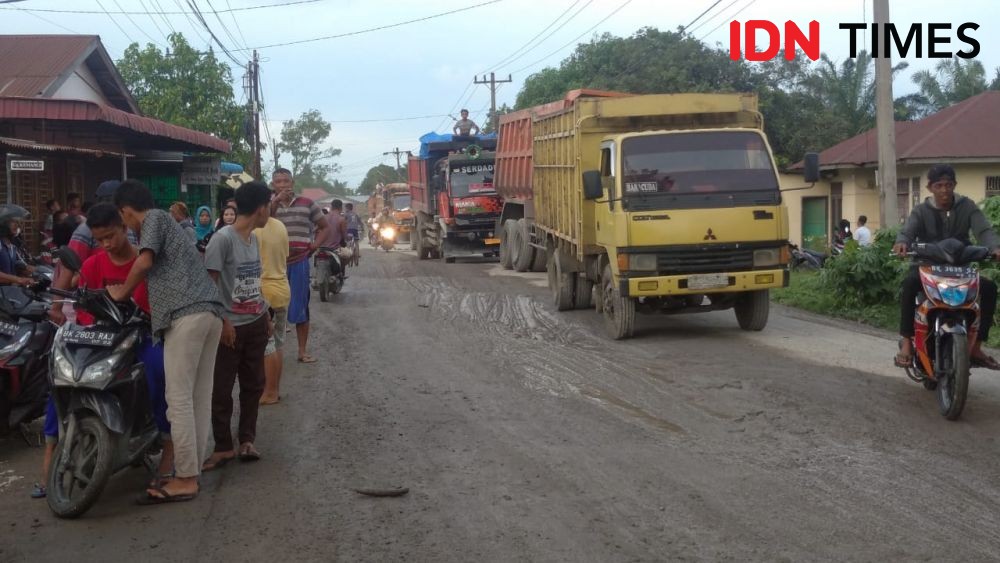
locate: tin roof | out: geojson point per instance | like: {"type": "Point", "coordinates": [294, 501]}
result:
{"type": "Point", "coordinates": [966, 130]}
{"type": "Point", "coordinates": [32, 146]}
{"type": "Point", "coordinates": [38, 65]}
{"type": "Point", "coordinates": [152, 133]}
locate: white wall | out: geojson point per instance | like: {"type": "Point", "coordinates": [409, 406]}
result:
{"type": "Point", "coordinates": [82, 85]}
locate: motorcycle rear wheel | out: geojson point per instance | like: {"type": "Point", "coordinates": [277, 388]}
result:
{"type": "Point", "coordinates": [80, 469]}
{"type": "Point", "coordinates": [953, 385]}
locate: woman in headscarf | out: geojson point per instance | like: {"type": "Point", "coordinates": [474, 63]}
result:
{"type": "Point", "coordinates": [203, 225]}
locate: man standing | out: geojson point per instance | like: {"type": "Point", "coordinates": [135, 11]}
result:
{"type": "Point", "coordinates": [303, 220]}
{"type": "Point", "coordinates": [273, 241]}
{"type": "Point", "coordinates": [863, 235]}
{"type": "Point", "coordinates": [233, 261]}
{"type": "Point", "coordinates": [186, 315]}
{"type": "Point", "coordinates": [465, 125]}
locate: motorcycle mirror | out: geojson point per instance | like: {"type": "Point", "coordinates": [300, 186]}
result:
{"type": "Point", "coordinates": [68, 259]}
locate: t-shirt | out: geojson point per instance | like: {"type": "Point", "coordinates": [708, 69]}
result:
{"type": "Point", "coordinates": [354, 222]}
{"type": "Point", "coordinates": [299, 218]}
{"type": "Point", "coordinates": [84, 245]}
{"type": "Point", "coordinates": [99, 272]}
{"type": "Point", "coordinates": [464, 126]}
{"type": "Point", "coordinates": [240, 270]}
{"type": "Point", "coordinates": [863, 235]}
{"type": "Point", "coordinates": [178, 282]}
{"type": "Point", "coordinates": [273, 241]}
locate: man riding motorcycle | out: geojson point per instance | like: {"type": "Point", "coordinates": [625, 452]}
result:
{"type": "Point", "coordinates": [383, 220]}
{"type": "Point", "coordinates": [945, 215]}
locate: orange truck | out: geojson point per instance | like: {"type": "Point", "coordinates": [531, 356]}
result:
{"type": "Point", "coordinates": [397, 197]}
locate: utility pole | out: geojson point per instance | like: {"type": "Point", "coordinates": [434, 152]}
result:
{"type": "Point", "coordinates": [398, 153]}
{"type": "Point", "coordinates": [885, 124]}
{"type": "Point", "coordinates": [255, 108]}
{"type": "Point", "coordinates": [493, 95]}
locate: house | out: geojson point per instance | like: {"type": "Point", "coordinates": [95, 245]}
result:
{"type": "Point", "coordinates": [67, 123]}
{"type": "Point", "coordinates": [963, 135]}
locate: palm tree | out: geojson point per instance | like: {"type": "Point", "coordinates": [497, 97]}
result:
{"type": "Point", "coordinates": [951, 82]}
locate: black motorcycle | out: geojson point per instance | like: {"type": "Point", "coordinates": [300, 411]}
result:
{"type": "Point", "coordinates": [330, 272]}
{"type": "Point", "coordinates": [25, 339]}
{"type": "Point", "coordinates": [99, 385]}
{"type": "Point", "coordinates": [806, 259]}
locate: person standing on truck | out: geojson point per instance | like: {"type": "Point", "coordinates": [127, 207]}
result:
{"type": "Point", "coordinates": [465, 125]}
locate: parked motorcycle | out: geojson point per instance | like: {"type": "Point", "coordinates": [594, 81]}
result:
{"type": "Point", "coordinates": [806, 259]}
{"type": "Point", "coordinates": [330, 271]}
{"type": "Point", "coordinates": [946, 322]}
{"type": "Point", "coordinates": [25, 339]}
{"type": "Point", "coordinates": [101, 396]}
{"type": "Point", "coordinates": [387, 237]}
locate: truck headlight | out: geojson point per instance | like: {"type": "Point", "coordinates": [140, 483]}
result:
{"type": "Point", "coordinates": [642, 262]}
{"type": "Point", "coordinates": [766, 257]}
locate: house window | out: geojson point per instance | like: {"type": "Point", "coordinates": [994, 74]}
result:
{"type": "Point", "coordinates": [903, 197]}
{"type": "Point", "coordinates": [992, 186]}
{"type": "Point", "coordinates": [836, 203]}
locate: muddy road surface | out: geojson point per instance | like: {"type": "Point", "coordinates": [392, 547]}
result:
{"type": "Point", "coordinates": [524, 434]}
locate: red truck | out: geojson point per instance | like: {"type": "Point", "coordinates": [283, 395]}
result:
{"type": "Point", "coordinates": [452, 195]}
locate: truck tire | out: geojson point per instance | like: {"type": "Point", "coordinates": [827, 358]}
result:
{"type": "Point", "coordinates": [513, 242]}
{"type": "Point", "coordinates": [525, 253]}
{"type": "Point", "coordinates": [505, 257]}
{"type": "Point", "coordinates": [414, 237]}
{"type": "Point", "coordinates": [561, 284]}
{"type": "Point", "coordinates": [618, 311]}
{"type": "Point", "coordinates": [583, 294]}
{"type": "Point", "coordinates": [752, 309]}
{"type": "Point", "coordinates": [541, 261]}
{"type": "Point", "coordinates": [419, 235]}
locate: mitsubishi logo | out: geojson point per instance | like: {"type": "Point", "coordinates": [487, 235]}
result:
{"type": "Point", "coordinates": [710, 235]}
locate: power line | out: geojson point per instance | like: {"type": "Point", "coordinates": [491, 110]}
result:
{"type": "Point", "coordinates": [553, 32]}
{"type": "Point", "coordinates": [152, 19]}
{"type": "Point", "coordinates": [575, 39]}
{"type": "Point", "coordinates": [208, 28]}
{"type": "Point", "coordinates": [730, 18]}
{"type": "Point", "coordinates": [235, 21]}
{"type": "Point", "coordinates": [224, 26]}
{"type": "Point", "coordinates": [114, 21]}
{"type": "Point", "coordinates": [530, 41]}
{"type": "Point", "coordinates": [455, 105]}
{"type": "Point", "coordinates": [707, 10]}
{"type": "Point", "coordinates": [137, 13]}
{"type": "Point", "coordinates": [142, 29]}
{"type": "Point", "coordinates": [194, 25]}
{"type": "Point", "coordinates": [709, 20]}
{"type": "Point", "coordinates": [46, 20]}
{"type": "Point", "coordinates": [159, 10]}
{"type": "Point", "coordinates": [371, 29]}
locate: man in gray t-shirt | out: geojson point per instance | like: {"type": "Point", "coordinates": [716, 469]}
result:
{"type": "Point", "coordinates": [233, 261]}
{"type": "Point", "coordinates": [465, 125]}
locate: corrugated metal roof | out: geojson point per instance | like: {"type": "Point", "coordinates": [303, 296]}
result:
{"type": "Point", "coordinates": [80, 110]}
{"type": "Point", "coordinates": [28, 145]}
{"type": "Point", "coordinates": [30, 63]}
{"type": "Point", "coordinates": [967, 129]}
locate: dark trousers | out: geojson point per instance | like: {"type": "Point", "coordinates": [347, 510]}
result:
{"type": "Point", "coordinates": [245, 360]}
{"type": "Point", "coordinates": [912, 288]}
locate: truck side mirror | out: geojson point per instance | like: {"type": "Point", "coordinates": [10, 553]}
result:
{"type": "Point", "coordinates": [592, 188]}
{"type": "Point", "coordinates": [811, 162]}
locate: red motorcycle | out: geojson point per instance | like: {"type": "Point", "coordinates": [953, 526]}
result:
{"type": "Point", "coordinates": [946, 322]}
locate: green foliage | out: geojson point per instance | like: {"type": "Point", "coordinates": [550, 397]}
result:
{"type": "Point", "coordinates": [382, 173]}
{"type": "Point", "coordinates": [188, 88]}
{"type": "Point", "coordinates": [303, 138]}
{"type": "Point", "coordinates": [951, 82]}
{"type": "Point", "coordinates": [865, 275]}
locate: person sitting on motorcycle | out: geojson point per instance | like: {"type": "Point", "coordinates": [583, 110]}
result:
{"type": "Point", "coordinates": [945, 215]}
{"type": "Point", "coordinates": [355, 226]}
{"type": "Point", "coordinates": [384, 220]}
{"type": "Point", "coordinates": [12, 267]}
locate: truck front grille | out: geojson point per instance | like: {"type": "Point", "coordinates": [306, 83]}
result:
{"type": "Point", "coordinates": [704, 260]}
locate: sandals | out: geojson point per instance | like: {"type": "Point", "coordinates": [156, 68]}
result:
{"type": "Point", "coordinates": [217, 464]}
{"type": "Point", "coordinates": [146, 499]}
{"type": "Point", "coordinates": [248, 453]}
{"type": "Point", "coordinates": [38, 491]}
{"type": "Point", "coordinates": [988, 362]}
{"type": "Point", "coordinates": [307, 359]}
{"type": "Point", "coordinates": [903, 360]}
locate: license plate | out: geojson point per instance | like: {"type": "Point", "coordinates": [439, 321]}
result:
{"type": "Point", "coordinates": [708, 281]}
{"type": "Point", "coordinates": [8, 328]}
{"type": "Point", "coordinates": [492, 241]}
{"type": "Point", "coordinates": [88, 337]}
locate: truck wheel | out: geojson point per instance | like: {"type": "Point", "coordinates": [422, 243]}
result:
{"type": "Point", "coordinates": [752, 309]}
{"type": "Point", "coordinates": [583, 294]}
{"type": "Point", "coordinates": [414, 238]}
{"type": "Point", "coordinates": [505, 258]}
{"type": "Point", "coordinates": [561, 284]}
{"type": "Point", "coordinates": [541, 261]}
{"type": "Point", "coordinates": [525, 254]}
{"type": "Point", "coordinates": [618, 311]}
{"type": "Point", "coordinates": [421, 252]}
{"type": "Point", "coordinates": [514, 242]}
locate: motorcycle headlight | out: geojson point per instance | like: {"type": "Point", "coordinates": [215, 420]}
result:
{"type": "Point", "coordinates": [96, 374]}
{"type": "Point", "coordinates": [766, 257]}
{"type": "Point", "coordinates": [953, 295]}
{"type": "Point", "coordinates": [932, 292]}
{"type": "Point", "coordinates": [388, 233]}
{"type": "Point", "coordinates": [62, 368]}
{"type": "Point", "coordinates": [9, 350]}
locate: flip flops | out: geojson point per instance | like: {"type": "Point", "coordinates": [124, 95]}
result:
{"type": "Point", "coordinates": [248, 453]}
{"type": "Point", "coordinates": [903, 360]}
{"type": "Point", "coordinates": [307, 359]}
{"type": "Point", "coordinates": [217, 464]}
{"type": "Point", "coordinates": [988, 362]}
{"type": "Point", "coordinates": [146, 499]}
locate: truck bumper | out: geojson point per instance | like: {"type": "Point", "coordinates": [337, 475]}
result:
{"type": "Point", "coordinates": [660, 286]}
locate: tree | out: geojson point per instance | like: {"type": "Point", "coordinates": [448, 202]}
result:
{"type": "Point", "coordinates": [187, 88]}
{"type": "Point", "coordinates": [303, 139]}
{"type": "Point", "coordinates": [383, 173]}
{"type": "Point", "coordinates": [951, 82]}
{"type": "Point", "coordinates": [488, 126]}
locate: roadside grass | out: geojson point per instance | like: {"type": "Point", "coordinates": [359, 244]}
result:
{"type": "Point", "coordinates": [806, 291]}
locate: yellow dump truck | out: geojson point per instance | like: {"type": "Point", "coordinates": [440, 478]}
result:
{"type": "Point", "coordinates": [665, 203]}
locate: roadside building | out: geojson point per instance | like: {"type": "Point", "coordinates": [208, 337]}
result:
{"type": "Point", "coordinates": [963, 135]}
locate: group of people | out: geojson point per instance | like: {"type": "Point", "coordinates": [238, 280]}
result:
{"type": "Point", "coordinates": [216, 317]}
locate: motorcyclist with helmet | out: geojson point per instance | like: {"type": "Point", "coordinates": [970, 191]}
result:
{"type": "Point", "coordinates": [13, 270]}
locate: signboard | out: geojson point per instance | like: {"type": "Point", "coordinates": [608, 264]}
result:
{"type": "Point", "coordinates": [27, 165]}
{"type": "Point", "coordinates": [201, 170]}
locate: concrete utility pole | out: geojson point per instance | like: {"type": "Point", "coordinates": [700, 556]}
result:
{"type": "Point", "coordinates": [885, 124]}
{"type": "Point", "coordinates": [255, 108]}
{"type": "Point", "coordinates": [493, 95]}
{"type": "Point", "coordinates": [398, 153]}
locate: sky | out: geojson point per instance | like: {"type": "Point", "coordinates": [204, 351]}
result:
{"type": "Point", "coordinates": [377, 87]}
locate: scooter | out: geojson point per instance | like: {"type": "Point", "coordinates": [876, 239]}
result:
{"type": "Point", "coordinates": [330, 271]}
{"type": "Point", "coordinates": [387, 236]}
{"type": "Point", "coordinates": [25, 339]}
{"type": "Point", "coordinates": [101, 396]}
{"type": "Point", "coordinates": [946, 321]}
{"type": "Point", "coordinates": [806, 259]}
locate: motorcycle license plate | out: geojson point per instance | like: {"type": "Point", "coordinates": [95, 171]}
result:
{"type": "Point", "coordinates": [708, 281]}
{"type": "Point", "coordinates": [88, 337]}
{"type": "Point", "coordinates": [8, 328]}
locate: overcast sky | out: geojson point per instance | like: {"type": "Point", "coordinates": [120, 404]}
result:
{"type": "Point", "coordinates": [426, 68]}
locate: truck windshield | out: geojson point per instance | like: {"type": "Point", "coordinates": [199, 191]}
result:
{"type": "Point", "coordinates": [470, 179]}
{"type": "Point", "coordinates": [401, 201]}
{"type": "Point", "coordinates": [696, 163]}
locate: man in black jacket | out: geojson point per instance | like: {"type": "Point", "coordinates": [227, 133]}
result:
{"type": "Point", "coordinates": [946, 215]}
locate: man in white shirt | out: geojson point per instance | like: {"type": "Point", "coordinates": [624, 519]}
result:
{"type": "Point", "coordinates": [863, 235]}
